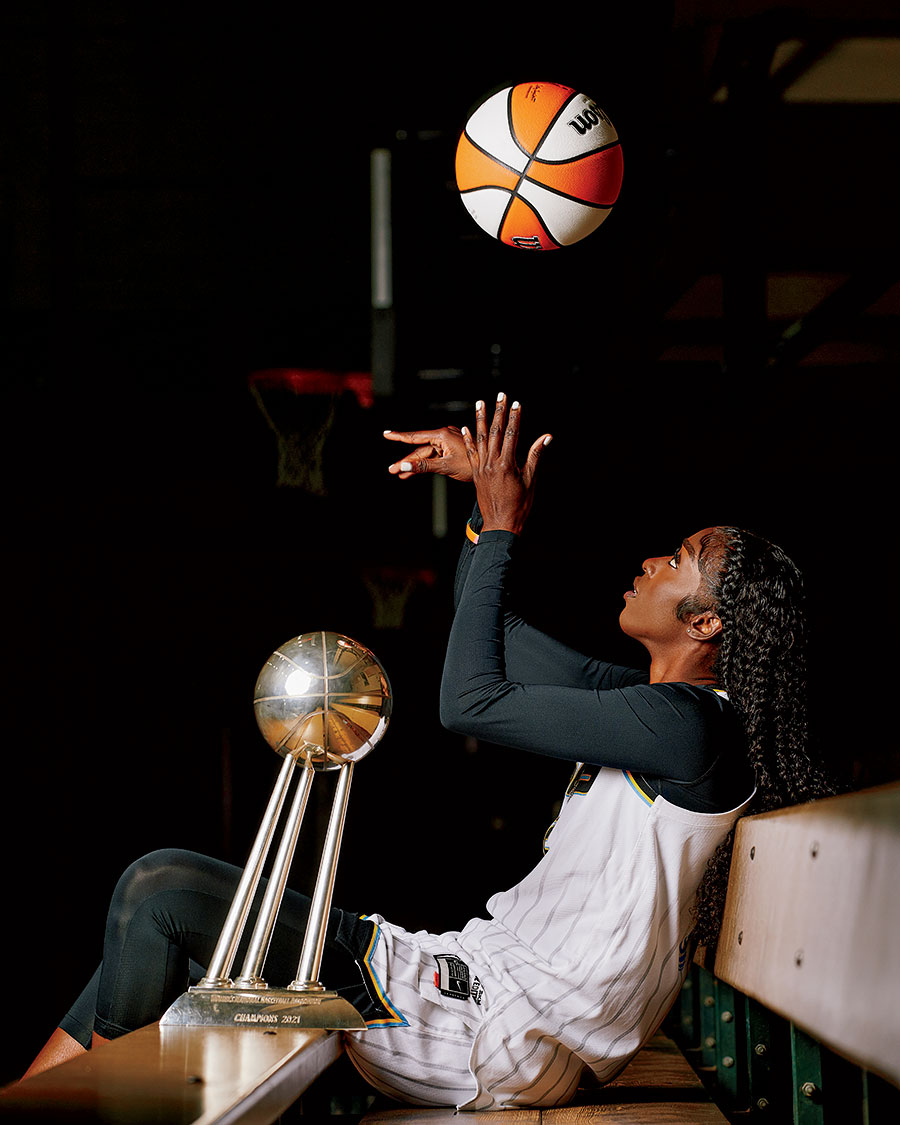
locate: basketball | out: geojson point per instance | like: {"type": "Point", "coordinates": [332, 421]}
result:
{"type": "Point", "coordinates": [323, 698]}
{"type": "Point", "coordinates": [539, 166]}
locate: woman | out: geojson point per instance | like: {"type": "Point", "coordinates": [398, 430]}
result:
{"type": "Point", "coordinates": [577, 965]}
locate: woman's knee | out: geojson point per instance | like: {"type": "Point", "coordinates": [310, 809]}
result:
{"type": "Point", "coordinates": [166, 869]}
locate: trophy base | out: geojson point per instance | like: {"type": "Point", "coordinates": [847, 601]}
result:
{"type": "Point", "coordinates": [267, 1008]}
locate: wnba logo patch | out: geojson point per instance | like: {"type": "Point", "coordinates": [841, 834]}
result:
{"type": "Point", "coordinates": [453, 979]}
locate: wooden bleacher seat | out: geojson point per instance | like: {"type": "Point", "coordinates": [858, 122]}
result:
{"type": "Point", "coordinates": [658, 1087]}
{"type": "Point", "coordinates": [812, 924]}
{"type": "Point", "coordinates": [801, 1016]}
{"type": "Point", "coordinates": [179, 1076]}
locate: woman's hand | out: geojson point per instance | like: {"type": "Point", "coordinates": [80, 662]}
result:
{"type": "Point", "coordinates": [505, 491]}
{"type": "Point", "coordinates": [440, 451]}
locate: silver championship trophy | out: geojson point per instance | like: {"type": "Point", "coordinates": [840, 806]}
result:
{"type": "Point", "coordinates": [322, 701]}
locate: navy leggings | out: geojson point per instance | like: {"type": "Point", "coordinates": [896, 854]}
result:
{"type": "Point", "coordinates": [164, 921]}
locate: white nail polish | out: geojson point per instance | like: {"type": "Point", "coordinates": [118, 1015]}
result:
{"type": "Point", "coordinates": [515, 406]}
{"type": "Point", "coordinates": [501, 397]}
{"type": "Point", "coordinates": [406, 466]}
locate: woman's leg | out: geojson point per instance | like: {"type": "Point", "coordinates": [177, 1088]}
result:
{"type": "Point", "coordinates": [168, 910]}
{"type": "Point", "coordinates": [164, 921]}
{"type": "Point", "coordinates": [59, 1048]}
{"type": "Point", "coordinates": [74, 1034]}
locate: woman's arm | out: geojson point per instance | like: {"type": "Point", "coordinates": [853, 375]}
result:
{"type": "Point", "coordinates": [532, 656]}
{"type": "Point", "coordinates": [661, 730]}
{"type": "Point", "coordinates": [511, 684]}
{"type": "Point", "coordinates": [657, 729]}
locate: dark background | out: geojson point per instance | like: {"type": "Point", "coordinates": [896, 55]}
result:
{"type": "Point", "coordinates": [184, 200]}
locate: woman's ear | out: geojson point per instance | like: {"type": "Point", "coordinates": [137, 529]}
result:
{"type": "Point", "coordinates": [704, 626]}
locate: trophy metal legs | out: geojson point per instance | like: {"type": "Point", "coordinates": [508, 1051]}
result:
{"type": "Point", "coordinates": [268, 912]}
{"type": "Point", "coordinates": [223, 956]}
{"type": "Point", "coordinates": [314, 942]}
{"type": "Point", "coordinates": [249, 1000]}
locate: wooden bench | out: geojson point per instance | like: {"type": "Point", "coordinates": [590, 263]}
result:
{"type": "Point", "coordinates": [797, 1022]}
{"type": "Point", "coordinates": [178, 1076]}
{"type": "Point", "coordinates": [658, 1087]}
{"type": "Point", "coordinates": [800, 1018]}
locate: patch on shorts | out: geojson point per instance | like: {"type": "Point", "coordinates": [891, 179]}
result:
{"type": "Point", "coordinates": [453, 979]}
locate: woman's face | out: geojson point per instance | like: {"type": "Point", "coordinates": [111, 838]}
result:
{"type": "Point", "coordinates": [649, 614]}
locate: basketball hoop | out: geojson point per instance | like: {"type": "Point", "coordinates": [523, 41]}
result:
{"type": "Point", "coordinates": [299, 407]}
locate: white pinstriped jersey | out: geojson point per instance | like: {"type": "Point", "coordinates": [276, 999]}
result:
{"type": "Point", "coordinates": [576, 966]}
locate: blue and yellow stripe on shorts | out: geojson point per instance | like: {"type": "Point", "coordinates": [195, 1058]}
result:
{"type": "Point", "coordinates": [394, 1018]}
{"type": "Point", "coordinates": [634, 785]}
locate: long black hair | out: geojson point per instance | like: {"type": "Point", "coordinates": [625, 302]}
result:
{"type": "Point", "coordinates": [761, 663]}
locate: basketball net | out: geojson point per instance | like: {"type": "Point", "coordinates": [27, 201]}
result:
{"type": "Point", "coordinates": [299, 408]}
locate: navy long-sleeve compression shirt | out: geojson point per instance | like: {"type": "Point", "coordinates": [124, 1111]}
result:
{"type": "Point", "coordinates": [508, 683]}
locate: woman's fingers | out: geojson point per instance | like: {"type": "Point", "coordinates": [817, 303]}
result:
{"type": "Point", "coordinates": [534, 456]}
{"type": "Point", "coordinates": [511, 435]}
{"type": "Point", "coordinates": [458, 454]}
{"type": "Point", "coordinates": [480, 427]}
{"type": "Point", "coordinates": [439, 451]}
{"type": "Point", "coordinates": [499, 441]}
{"type": "Point", "coordinates": [498, 427]}
{"type": "Point", "coordinates": [413, 463]}
{"type": "Point", "coordinates": [414, 437]}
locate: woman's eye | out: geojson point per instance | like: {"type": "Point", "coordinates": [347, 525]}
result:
{"type": "Point", "coordinates": [673, 561]}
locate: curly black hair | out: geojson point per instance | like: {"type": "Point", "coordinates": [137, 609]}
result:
{"type": "Point", "coordinates": [761, 663]}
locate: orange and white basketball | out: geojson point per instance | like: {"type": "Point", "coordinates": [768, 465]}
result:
{"type": "Point", "coordinates": [539, 165]}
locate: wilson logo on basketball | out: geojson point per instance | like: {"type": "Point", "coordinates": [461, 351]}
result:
{"type": "Point", "coordinates": [586, 120]}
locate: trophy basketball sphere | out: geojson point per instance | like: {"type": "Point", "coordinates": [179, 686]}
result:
{"type": "Point", "coordinates": [324, 699]}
